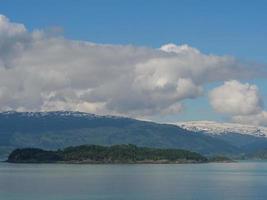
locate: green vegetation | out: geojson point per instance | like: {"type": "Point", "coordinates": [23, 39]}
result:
{"type": "Point", "coordinates": [103, 154]}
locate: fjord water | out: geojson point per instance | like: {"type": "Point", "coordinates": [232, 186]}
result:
{"type": "Point", "coordinates": [243, 180]}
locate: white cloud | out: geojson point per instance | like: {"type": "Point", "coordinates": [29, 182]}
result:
{"type": "Point", "coordinates": [242, 102]}
{"type": "Point", "coordinates": [235, 98]}
{"type": "Point", "coordinates": [13, 40]}
{"type": "Point", "coordinates": [9, 29]}
{"type": "Point", "coordinates": [41, 72]}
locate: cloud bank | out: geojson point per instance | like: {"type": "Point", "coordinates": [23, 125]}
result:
{"type": "Point", "coordinates": [40, 72]}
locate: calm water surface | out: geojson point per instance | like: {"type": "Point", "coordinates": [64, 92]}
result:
{"type": "Point", "coordinates": [231, 181]}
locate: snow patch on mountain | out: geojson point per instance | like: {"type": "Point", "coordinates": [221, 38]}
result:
{"type": "Point", "coordinates": [57, 114]}
{"type": "Point", "coordinates": [211, 127]}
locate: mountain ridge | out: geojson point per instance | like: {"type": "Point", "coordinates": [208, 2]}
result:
{"type": "Point", "coordinates": [213, 127]}
{"type": "Point", "coordinates": [59, 129]}
{"type": "Point", "coordinates": [53, 130]}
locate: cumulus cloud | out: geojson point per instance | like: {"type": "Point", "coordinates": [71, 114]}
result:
{"type": "Point", "coordinates": [43, 72]}
{"type": "Point", "coordinates": [235, 98]}
{"type": "Point", "coordinates": [242, 102]}
{"type": "Point", "coordinates": [13, 39]}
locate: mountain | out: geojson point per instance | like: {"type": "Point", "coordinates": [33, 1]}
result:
{"type": "Point", "coordinates": [251, 140]}
{"type": "Point", "coordinates": [54, 130]}
{"type": "Point", "coordinates": [57, 130]}
{"type": "Point", "coordinates": [212, 127]}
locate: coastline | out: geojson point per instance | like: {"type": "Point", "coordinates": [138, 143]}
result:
{"type": "Point", "coordinates": [91, 162]}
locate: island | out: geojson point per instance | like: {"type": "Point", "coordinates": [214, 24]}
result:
{"type": "Point", "coordinates": [95, 154]}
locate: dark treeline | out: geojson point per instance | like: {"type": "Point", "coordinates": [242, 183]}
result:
{"type": "Point", "coordinates": [104, 154]}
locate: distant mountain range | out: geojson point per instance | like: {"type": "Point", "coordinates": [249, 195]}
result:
{"type": "Point", "coordinates": [211, 127]}
{"type": "Point", "coordinates": [53, 130]}
{"type": "Point", "coordinates": [251, 140]}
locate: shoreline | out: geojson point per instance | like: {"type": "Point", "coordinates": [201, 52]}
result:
{"type": "Point", "coordinates": [160, 162]}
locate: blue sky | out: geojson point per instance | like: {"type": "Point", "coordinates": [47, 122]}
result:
{"type": "Point", "coordinates": [230, 27]}
{"type": "Point", "coordinates": [233, 27]}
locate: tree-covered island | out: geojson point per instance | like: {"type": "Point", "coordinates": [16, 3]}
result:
{"type": "Point", "coordinates": [95, 154]}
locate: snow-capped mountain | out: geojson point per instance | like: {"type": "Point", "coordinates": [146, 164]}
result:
{"type": "Point", "coordinates": [216, 128]}
{"type": "Point", "coordinates": [60, 129]}
{"type": "Point", "coordinates": [55, 114]}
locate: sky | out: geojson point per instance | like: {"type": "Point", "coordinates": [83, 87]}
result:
{"type": "Point", "coordinates": [164, 61]}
